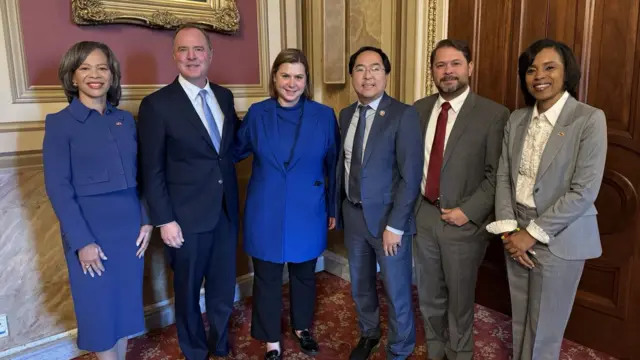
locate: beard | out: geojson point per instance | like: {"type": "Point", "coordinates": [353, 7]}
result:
{"type": "Point", "coordinates": [452, 87]}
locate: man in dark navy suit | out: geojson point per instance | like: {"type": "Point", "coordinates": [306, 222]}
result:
{"type": "Point", "coordinates": [186, 134]}
{"type": "Point", "coordinates": [379, 173]}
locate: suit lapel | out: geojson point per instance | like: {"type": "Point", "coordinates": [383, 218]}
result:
{"type": "Point", "coordinates": [185, 106]}
{"type": "Point", "coordinates": [306, 132]}
{"type": "Point", "coordinates": [345, 121]}
{"type": "Point", "coordinates": [424, 119]}
{"type": "Point", "coordinates": [518, 145]}
{"type": "Point", "coordinates": [557, 137]}
{"type": "Point", "coordinates": [378, 124]}
{"type": "Point", "coordinates": [229, 119]}
{"type": "Point", "coordinates": [462, 121]}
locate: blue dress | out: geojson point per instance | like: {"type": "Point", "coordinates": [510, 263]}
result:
{"type": "Point", "coordinates": [90, 165]}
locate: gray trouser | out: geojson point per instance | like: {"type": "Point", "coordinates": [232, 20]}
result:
{"type": "Point", "coordinates": [447, 259]}
{"type": "Point", "coordinates": [364, 250]}
{"type": "Point", "coordinates": [541, 298]}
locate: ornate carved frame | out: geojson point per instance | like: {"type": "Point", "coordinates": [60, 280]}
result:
{"type": "Point", "coordinates": [217, 15]}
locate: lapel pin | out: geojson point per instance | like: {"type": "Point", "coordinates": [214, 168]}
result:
{"type": "Point", "coordinates": [118, 123]}
{"type": "Point", "coordinates": [561, 133]}
{"type": "Point", "coordinates": [382, 113]}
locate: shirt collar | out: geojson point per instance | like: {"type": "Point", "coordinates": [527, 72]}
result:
{"type": "Point", "coordinates": [192, 90]}
{"type": "Point", "coordinates": [455, 103]}
{"type": "Point", "coordinates": [553, 113]}
{"type": "Point", "coordinates": [81, 112]}
{"type": "Point", "coordinates": [375, 103]}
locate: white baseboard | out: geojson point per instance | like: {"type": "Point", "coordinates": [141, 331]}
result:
{"type": "Point", "coordinates": [63, 346]}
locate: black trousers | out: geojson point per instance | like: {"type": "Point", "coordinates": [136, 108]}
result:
{"type": "Point", "coordinates": [267, 297]}
{"type": "Point", "coordinates": [210, 256]}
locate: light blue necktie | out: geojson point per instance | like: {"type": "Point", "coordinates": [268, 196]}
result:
{"type": "Point", "coordinates": [214, 133]}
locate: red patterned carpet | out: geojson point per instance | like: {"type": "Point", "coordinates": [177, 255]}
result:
{"type": "Point", "coordinates": [336, 330]}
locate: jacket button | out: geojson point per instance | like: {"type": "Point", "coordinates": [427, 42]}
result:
{"type": "Point", "coordinates": [536, 190]}
{"type": "Point", "coordinates": [219, 181]}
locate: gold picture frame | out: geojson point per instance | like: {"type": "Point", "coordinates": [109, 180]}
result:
{"type": "Point", "coordinates": [216, 15]}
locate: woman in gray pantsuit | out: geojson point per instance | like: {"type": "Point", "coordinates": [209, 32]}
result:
{"type": "Point", "coordinates": [549, 175]}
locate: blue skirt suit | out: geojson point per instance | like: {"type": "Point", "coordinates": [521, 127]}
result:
{"type": "Point", "coordinates": [289, 200]}
{"type": "Point", "coordinates": [90, 177]}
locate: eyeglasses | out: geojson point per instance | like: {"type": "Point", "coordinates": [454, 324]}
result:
{"type": "Point", "coordinates": [373, 70]}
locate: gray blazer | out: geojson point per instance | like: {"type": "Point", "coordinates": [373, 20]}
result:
{"type": "Point", "coordinates": [568, 179]}
{"type": "Point", "coordinates": [471, 156]}
{"type": "Point", "coordinates": [391, 167]}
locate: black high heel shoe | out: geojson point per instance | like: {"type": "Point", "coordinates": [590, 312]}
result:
{"type": "Point", "coordinates": [307, 344]}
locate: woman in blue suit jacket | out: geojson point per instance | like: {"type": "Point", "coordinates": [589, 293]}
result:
{"type": "Point", "coordinates": [89, 154]}
{"type": "Point", "coordinates": [289, 205]}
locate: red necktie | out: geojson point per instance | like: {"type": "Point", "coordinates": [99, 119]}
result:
{"type": "Point", "coordinates": [432, 188]}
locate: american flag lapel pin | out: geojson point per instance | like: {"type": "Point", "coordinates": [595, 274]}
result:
{"type": "Point", "coordinates": [119, 123]}
{"type": "Point", "coordinates": [382, 113]}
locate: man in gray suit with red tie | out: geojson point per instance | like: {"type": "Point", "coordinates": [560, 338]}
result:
{"type": "Point", "coordinates": [462, 135]}
{"type": "Point", "coordinates": [379, 172]}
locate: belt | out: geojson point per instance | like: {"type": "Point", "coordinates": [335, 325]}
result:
{"type": "Point", "coordinates": [434, 203]}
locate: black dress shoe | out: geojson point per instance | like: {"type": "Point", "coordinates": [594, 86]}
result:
{"type": "Point", "coordinates": [272, 355]}
{"type": "Point", "coordinates": [307, 344]}
{"type": "Point", "coordinates": [364, 348]}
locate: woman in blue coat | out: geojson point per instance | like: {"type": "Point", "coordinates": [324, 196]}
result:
{"type": "Point", "coordinates": [289, 205]}
{"type": "Point", "coordinates": [89, 154]}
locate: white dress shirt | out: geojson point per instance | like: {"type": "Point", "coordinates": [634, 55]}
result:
{"type": "Point", "coordinates": [538, 132]}
{"type": "Point", "coordinates": [454, 110]}
{"type": "Point", "coordinates": [351, 133]}
{"type": "Point", "coordinates": [348, 143]}
{"type": "Point", "coordinates": [193, 92]}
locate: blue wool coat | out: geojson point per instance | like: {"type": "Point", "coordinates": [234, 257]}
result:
{"type": "Point", "coordinates": [287, 207]}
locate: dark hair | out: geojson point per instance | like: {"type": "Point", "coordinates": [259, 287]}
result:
{"type": "Point", "coordinates": [571, 67]}
{"type": "Point", "coordinates": [75, 56]}
{"type": "Point", "coordinates": [290, 56]}
{"type": "Point", "coordinates": [192, 26]}
{"type": "Point", "coordinates": [459, 45]}
{"type": "Point", "coordinates": [383, 56]}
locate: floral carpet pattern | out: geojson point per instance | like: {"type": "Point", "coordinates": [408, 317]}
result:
{"type": "Point", "coordinates": [336, 330]}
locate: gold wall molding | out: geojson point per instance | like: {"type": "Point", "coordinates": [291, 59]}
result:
{"type": "Point", "coordinates": [21, 126]}
{"type": "Point", "coordinates": [424, 23]}
{"type": "Point", "coordinates": [217, 15]}
{"type": "Point", "coordinates": [291, 23]}
{"type": "Point", "coordinates": [22, 92]}
{"type": "Point", "coordinates": [430, 44]}
{"type": "Point", "coordinates": [334, 47]}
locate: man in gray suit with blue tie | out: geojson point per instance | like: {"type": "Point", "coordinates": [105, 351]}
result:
{"type": "Point", "coordinates": [379, 174]}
